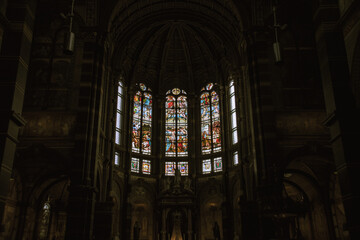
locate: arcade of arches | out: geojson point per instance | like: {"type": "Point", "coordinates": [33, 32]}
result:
{"type": "Point", "coordinates": [179, 119]}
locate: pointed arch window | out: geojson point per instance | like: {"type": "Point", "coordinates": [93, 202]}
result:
{"type": "Point", "coordinates": [233, 116]}
{"type": "Point", "coordinates": [210, 120]}
{"type": "Point", "coordinates": [142, 121]}
{"type": "Point", "coordinates": [119, 113]}
{"type": "Point", "coordinates": [176, 123]}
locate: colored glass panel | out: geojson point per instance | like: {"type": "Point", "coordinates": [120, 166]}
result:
{"type": "Point", "coordinates": [206, 166]}
{"type": "Point", "coordinates": [209, 86]}
{"type": "Point", "coordinates": [146, 138]}
{"type": "Point", "coordinates": [205, 137]}
{"type": "Point", "coordinates": [136, 136]}
{"type": "Point", "coordinates": [137, 106]}
{"type": "Point", "coordinates": [142, 86]}
{"type": "Point", "coordinates": [217, 164]}
{"type": "Point", "coordinates": [147, 107]}
{"type": "Point", "coordinates": [216, 128]}
{"type": "Point", "coordinates": [204, 99]}
{"type": "Point", "coordinates": [170, 116]}
{"type": "Point", "coordinates": [170, 168]}
{"type": "Point", "coordinates": [146, 167]}
{"type": "Point", "coordinates": [184, 168]}
{"type": "Point", "coordinates": [176, 91]}
{"type": "Point", "coordinates": [182, 116]}
{"type": "Point", "coordinates": [170, 140]}
{"type": "Point", "coordinates": [135, 165]}
{"type": "Point", "coordinates": [205, 113]}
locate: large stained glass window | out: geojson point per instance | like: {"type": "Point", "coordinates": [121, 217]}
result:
{"type": "Point", "coordinates": [141, 130]}
{"type": "Point", "coordinates": [176, 124]}
{"type": "Point", "coordinates": [142, 115]}
{"type": "Point", "coordinates": [210, 120]}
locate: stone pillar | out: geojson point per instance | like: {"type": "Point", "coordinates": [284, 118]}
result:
{"type": "Point", "coordinates": [189, 224]}
{"type": "Point", "coordinates": [163, 225]}
{"type": "Point", "coordinates": [343, 117]}
{"type": "Point", "coordinates": [82, 191]}
{"type": "Point", "coordinates": [103, 220]}
{"type": "Point", "coordinates": [14, 62]}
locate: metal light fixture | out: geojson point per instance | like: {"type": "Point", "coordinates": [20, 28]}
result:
{"type": "Point", "coordinates": [70, 36]}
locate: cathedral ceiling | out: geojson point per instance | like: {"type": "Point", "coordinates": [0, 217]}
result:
{"type": "Point", "coordinates": [182, 44]}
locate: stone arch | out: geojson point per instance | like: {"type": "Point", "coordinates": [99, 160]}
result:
{"type": "Point", "coordinates": [211, 201]}
{"type": "Point", "coordinates": [142, 200]}
{"type": "Point", "coordinates": [306, 180]}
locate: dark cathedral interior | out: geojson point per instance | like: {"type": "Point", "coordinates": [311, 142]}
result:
{"type": "Point", "coordinates": [179, 119]}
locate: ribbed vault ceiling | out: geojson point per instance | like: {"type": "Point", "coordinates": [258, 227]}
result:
{"type": "Point", "coordinates": [168, 44]}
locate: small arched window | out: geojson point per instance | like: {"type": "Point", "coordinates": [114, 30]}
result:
{"type": "Point", "coordinates": [210, 120]}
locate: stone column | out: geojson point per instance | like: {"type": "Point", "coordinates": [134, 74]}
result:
{"type": "Point", "coordinates": [163, 225]}
{"type": "Point", "coordinates": [103, 220]}
{"type": "Point", "coordinates": [343, 117]}
{"type": "Point", "coordinates": [82, 191]}
{"type": "Point", "coordinates": [14, 62]}
{"type": "Point", "coordinates": [190, 232]}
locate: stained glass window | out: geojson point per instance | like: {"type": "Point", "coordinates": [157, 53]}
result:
{"type": "Point", "coordinates": [217, 164]}
{"type": "Point", "coordinates": [176, 124]}
{"type": "Point", "coordinates": [135, 165]}
{"type": "Point", "coordinates": [170, 168]}
{"type": "Point", "coordinates": [146, 166]}
{"type": "Point", "coordinates": [184, 168]}
{"type": "Point", "coordinates": [142, 120]}
{"type": "Point", "coordinates": [119, 112]}
{"type": "Point", "coordinates": [210, 120]}
{"type": "Point", "coordinates": [234, 133]}
{"type": "Point", "coordinates": [206, 166]}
